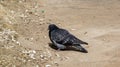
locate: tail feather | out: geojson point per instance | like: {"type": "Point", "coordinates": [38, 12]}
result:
{"type": "Point", "coordinates": [81, 49]}
{"type": "Point", "coordinates": [84, 43]}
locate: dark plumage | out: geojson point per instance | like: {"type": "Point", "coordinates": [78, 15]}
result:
{"type": "Point", "coordinates": [61, 38]}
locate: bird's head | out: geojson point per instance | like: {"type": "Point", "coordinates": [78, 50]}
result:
{"type": "Point", "coordinates": [52, 27]}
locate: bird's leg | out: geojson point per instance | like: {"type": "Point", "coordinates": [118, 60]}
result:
{"type": "Point", "coordinates": [59, 46]}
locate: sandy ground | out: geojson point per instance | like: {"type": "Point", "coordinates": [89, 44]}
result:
{"type": "Point", "coordinates": [94, 21]}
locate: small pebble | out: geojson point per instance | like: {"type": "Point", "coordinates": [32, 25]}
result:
{"type": "Point", "coordinates": [73, 29]}
{"type": "Point", "coordinates": [85, 33]}
{"type": "Point", "coordinates": [31, 38]}
{"type": "Point", "coordinates": [41, 20]}
{"type": "Point", "coordinates": [45, 36]}
{"type": "Point", "coordinates": [37, 65]}
{"type": "Point", "coordinates": [48, 65]}
{"type": "Point", "coordinates": [56, 63]}
{"type": "Point", "coordinates": [57, 55]}
{"type": "Point", "coordinates": [18, 43]}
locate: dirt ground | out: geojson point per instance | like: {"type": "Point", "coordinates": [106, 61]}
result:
{"type": "Point", "coordinates": [24, 40]}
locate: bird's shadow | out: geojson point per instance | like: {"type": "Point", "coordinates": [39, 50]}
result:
{"type": "Point", "coordinates": [67, 49]}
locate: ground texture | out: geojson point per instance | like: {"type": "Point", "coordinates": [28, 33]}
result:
{"type": "Point", "coordinates": [24, 40]}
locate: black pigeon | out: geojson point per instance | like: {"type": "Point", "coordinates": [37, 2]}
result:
{"type": "Point", "coordinates": [61, 38]}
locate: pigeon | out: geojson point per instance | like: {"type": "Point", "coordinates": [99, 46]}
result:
{"type": "Point", "coordinates": [61, 38]}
